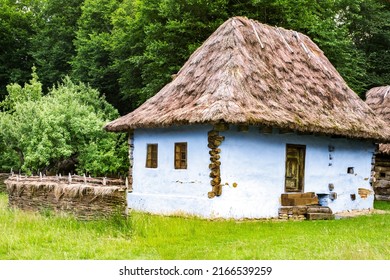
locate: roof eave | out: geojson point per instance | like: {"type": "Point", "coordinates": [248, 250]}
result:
{"type": "Point", "coordinates": [363, 135]}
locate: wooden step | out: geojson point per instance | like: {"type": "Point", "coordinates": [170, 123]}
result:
{"type": "Point", "coordinates": [320, 216]}
{"type": "Point", "coordinates": [299, 195]}
{"type": "Point", "coordinates": [299, 199]}
{"type": "Point", "coordinates": [319, 209]}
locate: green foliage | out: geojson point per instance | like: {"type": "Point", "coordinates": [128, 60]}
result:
{"type": "Point", "coordinates": [128, 46]}
{"type": "Point", "coordinates": [17, 27]}
{"type": "Point", "coordinates": [52, 46]}
{"type": "Point", "coordinates": [62, 130]}
{"type": "Point", "coordinates": [16, 94]}
{"type": "Point", "coordinates": [160, 35]}
{"type": "Point", "coordinates": [382, 205]}
{"type": "Point", "coordinates": [106, 155]}
{"type": "Point", "coordinates": [368, 22]}
{"type": "Point", "coordinates": [129, 49]}
{"type": "Point", "coordinates": [9, 157]}
{"type": "Point", "coordinates": [92, 63]}
{"type": "Point", "coordinates": [151, 40]}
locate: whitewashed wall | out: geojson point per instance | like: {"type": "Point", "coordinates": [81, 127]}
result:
{"type": "Point", "coordinates": [252, 160]}
{"type": "Point", "coordinates": [256, 163]}
{"type": "Point", "coordinates": [167, 190]}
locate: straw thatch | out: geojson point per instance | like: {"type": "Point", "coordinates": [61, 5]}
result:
{"type": "Point", "coordinates": [251, 73]}
{"type": "Point", "coordinates": [378, 99]}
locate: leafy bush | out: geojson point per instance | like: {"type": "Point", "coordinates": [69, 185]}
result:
{"type": "Point", "coordinates": [59, 132]}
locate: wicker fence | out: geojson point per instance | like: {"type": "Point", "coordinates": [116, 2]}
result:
{"type": "Point", "coordinates": [3, 177]}
{"type": "Point", "coordinates": [84, 197]}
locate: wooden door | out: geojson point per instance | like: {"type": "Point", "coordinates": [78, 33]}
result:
{"type": "Point", "coordinates": [295, 168]}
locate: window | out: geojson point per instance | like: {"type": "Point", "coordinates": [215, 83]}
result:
{"type": "Point", "coordinates": [151, 156]}
{"type": "Point", "coordinates": [180, 155]}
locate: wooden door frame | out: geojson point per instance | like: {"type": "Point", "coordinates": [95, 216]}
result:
{"type": "Point", "coordinates": [302, 179]}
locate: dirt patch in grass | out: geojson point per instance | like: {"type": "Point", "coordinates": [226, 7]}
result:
{"type": "Point", "coordinates": [355, 213]}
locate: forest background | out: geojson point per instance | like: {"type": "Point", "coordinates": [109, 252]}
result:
{"type": "Point", "coordinates": [67, 67]}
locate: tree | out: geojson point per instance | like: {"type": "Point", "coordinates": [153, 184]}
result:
{"type": "Point", "coordinates": [151, 40]}
{"type": "Point", "coordinates": [129, 49]}
{"type": "Point", "coordinates": [128, 46]}
{"type": "Point", "coordinates": [92, 63]}
{"type": "Point", "coordinates": [17, 26]}
{"type": "Point", "coordinates": [52, 47]}
{"type": "Point", "coordinates": [31, 91]}
{"type": "Point", "coordinates": [183, 27]}
{"type": "Point", "coordinates": [368, 22]}
{"type": "Point", "coordinates": [61, 131]}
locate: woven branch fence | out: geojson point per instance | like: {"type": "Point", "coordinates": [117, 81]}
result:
{"type": "Point", "coordinates": [3, 177]}
{"type": "Point", "coordinates": [84, 197]}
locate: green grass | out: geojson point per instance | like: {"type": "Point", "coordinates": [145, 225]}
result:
{"type": "Point", "coordinates": [26, 235]}
{"type": "Point", "coordinates": [382, 205]}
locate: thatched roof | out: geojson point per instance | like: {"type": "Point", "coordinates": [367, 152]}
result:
{"type": "Point", "coordinates": [378, 99]}
{"type": "Point", "coordinates": [251, 73]}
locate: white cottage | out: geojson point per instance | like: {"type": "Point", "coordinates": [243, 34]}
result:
{"type": "Point", "coordinates": [255, 120]}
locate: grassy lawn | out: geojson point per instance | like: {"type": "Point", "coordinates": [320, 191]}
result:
{"type": "Point", "coordinates": [31, 236]}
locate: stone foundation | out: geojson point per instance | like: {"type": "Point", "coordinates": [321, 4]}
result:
{"type": "Point", "coordinates": [305, 213]}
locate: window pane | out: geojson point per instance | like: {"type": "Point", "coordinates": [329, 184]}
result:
{"type": "Point", "coordinates": [180, 155]}
{"type": "Point", "coordinates": [151, 156]}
